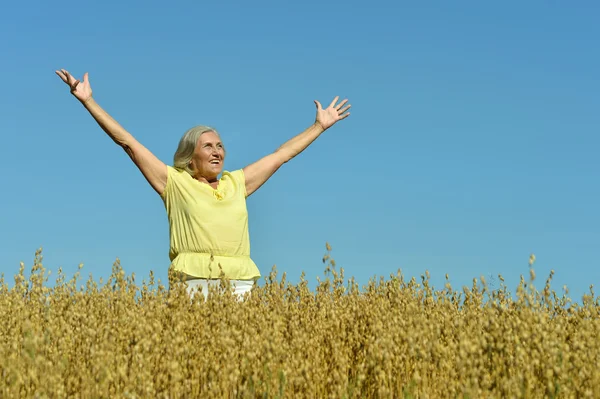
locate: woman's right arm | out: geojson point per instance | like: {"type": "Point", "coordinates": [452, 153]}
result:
{"type": "Point", "coordinates": [153, 169]}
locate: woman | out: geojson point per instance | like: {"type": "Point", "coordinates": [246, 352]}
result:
{"type": "Point", "coordinates": [208, 220]}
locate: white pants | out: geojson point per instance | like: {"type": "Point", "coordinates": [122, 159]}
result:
{"type": "Point", "coordinates": [240, 287]}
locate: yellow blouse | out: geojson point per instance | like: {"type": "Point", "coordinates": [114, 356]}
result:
{"type": "Point", "coordinates": [208, 227]}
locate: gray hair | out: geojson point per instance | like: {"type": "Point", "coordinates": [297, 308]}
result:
{"type": "Point", "coordinates": [187, 145]}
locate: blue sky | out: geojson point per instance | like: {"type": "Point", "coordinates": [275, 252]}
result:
{"type": "Point", "coordinates": [473, 140]}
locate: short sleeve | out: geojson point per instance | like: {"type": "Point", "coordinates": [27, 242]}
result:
{"type": "Point", "coordinates": [172, 176]}
{"type": "Point", "coordinates": [240, 180]}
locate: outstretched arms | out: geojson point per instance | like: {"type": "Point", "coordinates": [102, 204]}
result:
{"type": "Point", "coordinates": [151, 167]}
{"type": "Point", "coordinates": [259, 172]}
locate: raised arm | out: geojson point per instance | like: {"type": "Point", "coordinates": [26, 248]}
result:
{"type": "Point", "coordinates": [259, 172]}
{"type": "Point", "coordinates": [151, 167]}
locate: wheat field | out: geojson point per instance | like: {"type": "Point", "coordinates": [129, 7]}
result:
{"type": "Point", "coordinates": [393, 338]}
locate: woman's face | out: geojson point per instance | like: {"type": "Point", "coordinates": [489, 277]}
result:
{"type": "Point", "coordinates": [208, 157]}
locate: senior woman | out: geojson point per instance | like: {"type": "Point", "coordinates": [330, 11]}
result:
{"type": "Point", "coordinates": [208, 219]}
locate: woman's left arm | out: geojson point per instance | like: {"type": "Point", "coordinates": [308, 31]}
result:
{"type": "Point", "coordinates": [259, 172]}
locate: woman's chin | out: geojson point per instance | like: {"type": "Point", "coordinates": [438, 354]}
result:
{"type": "Point", "coordinates": [214, 171]}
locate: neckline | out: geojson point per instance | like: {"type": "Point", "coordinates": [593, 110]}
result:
{"type": "Point", "coordinates": [218, 192]}
{"type": "Point", "coordinates": [208, 184]}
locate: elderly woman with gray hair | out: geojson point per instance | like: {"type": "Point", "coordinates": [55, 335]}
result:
{"type": "Point", "coordinates": [208, 219]}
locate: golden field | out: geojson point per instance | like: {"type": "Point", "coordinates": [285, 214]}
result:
{"type": "Point", "coordinates": [393, 338]}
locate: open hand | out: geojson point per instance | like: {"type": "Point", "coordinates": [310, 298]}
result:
{"type": "Point", "coordinates": [81, 90]}
{"type": "Point", "coordinates": [330, 115]}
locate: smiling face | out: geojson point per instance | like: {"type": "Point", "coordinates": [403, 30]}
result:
{"type": "Point", "coordinates": [209, 154]}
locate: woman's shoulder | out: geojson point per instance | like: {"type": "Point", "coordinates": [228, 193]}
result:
{"type": "Point", "coordinates": [236, 178]}
{"type": "Point", "coordinates": [177, 173]}
{"type": "Point", "coordinates": [237, 175]}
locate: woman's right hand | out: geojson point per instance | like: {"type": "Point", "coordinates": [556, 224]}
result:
{"type": "Point", "coordinates": [81, 90]}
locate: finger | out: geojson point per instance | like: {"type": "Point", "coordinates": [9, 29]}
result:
{"type": "Point", "coordinates": [62, 76]}
{"type": "Point", "coordinates": [70, 77]}
{"type": "Point", "coordinates": [344, 116]}
{"type": "Point", "coordinates": [67, 76]}
{"type": "Point", "coordinates": [86, 80]}
{"type": "Point", "coordinates": [318, 104]}
{"type": "Point", "coordinates": [340, 105]}
{"type": "Point", "coordinates": [74, 86]}
{"type": "Point", "coordinates": [334, 101]}
{"type": "Point", "coordinates": [345, 109]}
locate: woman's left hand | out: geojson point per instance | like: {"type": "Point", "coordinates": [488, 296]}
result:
{"type": "Point", "coordinates": [329, 116]}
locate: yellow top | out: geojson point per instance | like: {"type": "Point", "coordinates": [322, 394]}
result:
{"type": "Point", "coordinates": [209, 227]}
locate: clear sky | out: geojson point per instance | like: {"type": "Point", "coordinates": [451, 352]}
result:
{"type": "Point", "coordinates": [472, 143]}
